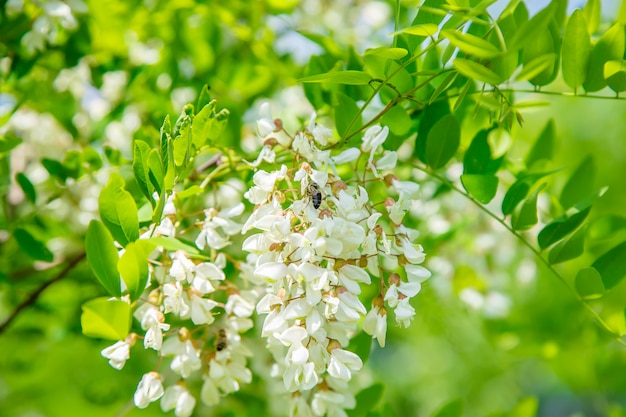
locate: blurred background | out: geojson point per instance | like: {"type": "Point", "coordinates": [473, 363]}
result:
{"type": "Point", "coordinates": [495, 329]}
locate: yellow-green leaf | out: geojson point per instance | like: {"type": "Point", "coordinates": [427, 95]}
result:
{"type": "Point", "coordinates": [105, 318]}
{"type": "Point", "coordinates": [576, 50]}
{"type": "Point", "coordinates": [476, 71]}
{"type": "Point", "coordinates": [471, 44]}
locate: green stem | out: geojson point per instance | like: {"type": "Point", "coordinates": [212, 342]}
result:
{"type": "Point", "coordinates": [616, 336]}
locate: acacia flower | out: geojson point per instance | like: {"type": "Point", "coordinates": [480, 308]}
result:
{"type": "Point", "coordinates": [150, 389]}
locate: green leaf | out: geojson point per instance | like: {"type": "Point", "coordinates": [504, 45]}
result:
{"type": "Point", "coordinates": [31, 246]}
{"type": "Point", "coordinates": [544, 145]}
{"type": "Point", "coordinates": [8, 142]}
{"type": "Point", "coordinates": [580, 184]}
{"type": "Point", "coordinates": [443, 86]}
{"type": "Point", "coordinates": [431, 115]}
{"type": "Point", "coordinates": [366, 400]}
{"type": "Point", "coordinates": [361, 344]}
{"type": "Point", "coordinates": [519, 190]}
{"type": "Point", "coordinates": [477, 159]}
{"type": "Point", "coordinates": [102, 257]}
{"type": "Point", "coordinates": [398, 120]}
{"type": "Point", "coordinates": [156, 173]}
{"type": "Point", "coordinates": [612, 266]}
{"type": "Point", "coordinates": [546, 41]}
{"type": "Point", "coordinates": [592, 15]}
{"type": "Point", "coordinates": [576, 50]}
{"type": "Point", "coordinates": [118, 211]}
{"type": "Point", "coordinates": [133, 267]}
{"type": "Point", "coordinates": [615, 74]}
{"type": "Point", "coordinates": [530, 30]}
{"type": "Point", "coordinates": [589, 284]}
{"type": "Point", "coordinates": [560, 228]}
{"type": "Point", "coordinates": [482, 187]}
{"type": "Point", "coordinates": [452, 409]}
{"type": "Point", "coordinates": [536, 66]}
{"type": "Point", "coordinates": [526, 217]}
{"type": "Point", "coordinates": [349, 77]}
{"type": "Point", "coordinates": [568, 249]}
{"type": "Point", "coordinates": [470, 44]}
{"type": "Point", "coordinates": [425, 30]}
{"type": "Point", "coordinates": [499, 140]}
{"type": "Point", "coordinates": [609, 47]}
{"type": "Point", "coordinates": [207, 126]}
{"type": "Point", "coordinates": [171, 244]}
{"type": "Point", "coordinates": [106, 319]}
{"type": "Point", "coordinates": [443, 141]}
{"type": "Point", "coordinates": [141, 151]}
{"type": "Point", "coordinates": [387, 53]}
{"type": "Point", "coordinates": [605, 227]}
{"type": "Point", "coordinates": [346, 110]}
{"type": "Point", "coordinates": [27, 187]}
{"type": "Point", "coordinates": [527, 407]}
{"type": "Point", "coordinates": [205, 97]}
{"type": "Point", "coordinates": [476, 71]}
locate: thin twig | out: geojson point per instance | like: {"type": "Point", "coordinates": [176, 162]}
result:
{"type": "Point", "coordinates": [616, 336]}
{"type": "Point", "coordinates": [35, 294]}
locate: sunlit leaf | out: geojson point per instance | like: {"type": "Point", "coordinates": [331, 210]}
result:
{"type": "Point", "coordinates": [529, 31]}
{"type": "Point", "coordinates": [443, 86]}
{"type": "Point", "coordinates": [592, 15]}
{"type": "Point", "coordinates": [576, 50]}
{"type": "Point", "coordinates": [133, 267]}
{"type": "Point", "coordinates": [589, 284]}
{"type": "Point", "coordinates": [519, 190]}
{"type": "Point", "coordinates": [208, 125]}
{"type": "Point", "coordinates": [118, 210]}
{"type": "Point", "coordinates": [612, 266]}
{"type": "Point", "coordinates": [173, 245]}
{"type": "Point", "coordinates": [580, 185]}
{"type": "Point", "coordinates": [443, 141]}
{"type": "Point", "coordinates": [499, 140]}
{"type": "Point", "coordinates": [106, 319]}
{"type": "Point", "coordinates": [544, 145]}
{"type": "Point", "coordinates": [470, 44]}
{"type": "Point", "coordinates": [387, 53]}
{"type": "Point", "coordinates": [609, 47]}
{"type": "Point", "coordinates": [31, 246]}
{"type": "Point", "coordinates": [425, 30]}
{"type": "Point", "coordinates": [615, 74]}
{"type": "Point", "coordinates": [536, 66]}
{"type": "Point", "coordinates": [349, 77]}
{"type": "Point", "coordinates": [481, 187]}
{"type": "Point", "coordinates": [102, 257]}
{"type": "Point", "coordinates": [476, 71]}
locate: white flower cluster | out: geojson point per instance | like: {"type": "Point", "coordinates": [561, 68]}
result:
{"type": "Point", "coordinates": [210, 346]}
{"type": "Point", "coordinates": [323, 240]}
{"type": "Point", "coordinates": [315, 246]}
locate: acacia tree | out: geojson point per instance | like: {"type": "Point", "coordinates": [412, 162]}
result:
{"type": "Point", "coordinates": [296, 242]}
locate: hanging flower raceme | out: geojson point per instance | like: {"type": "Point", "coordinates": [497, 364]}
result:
{"type": "Point", "coordinates": [316, 238]}
{"type": "Point", "coordinates": [325, 254]}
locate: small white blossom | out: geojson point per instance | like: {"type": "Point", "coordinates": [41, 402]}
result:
{"type": "Point", "coordinates": [118, 353]}
{"type": "Point", "coordinates": [150, 389]}
{"type": "Point", "coordinates": [179, 399]}
{"type": "Point", "coordinates": [375, 324]}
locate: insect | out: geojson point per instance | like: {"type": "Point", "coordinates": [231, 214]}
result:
{"type": "Point", "coordinates": [220, 341]}
{"type": "Point", "coordinates": [313, 191]}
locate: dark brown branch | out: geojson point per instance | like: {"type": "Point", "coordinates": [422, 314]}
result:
{"type": "Point", "coordinates": [35, 294]}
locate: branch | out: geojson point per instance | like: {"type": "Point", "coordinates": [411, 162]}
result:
{"type": "Point", "coordinates": [35, 294]}
{"type": "Point", "coordinates": [615, 334]}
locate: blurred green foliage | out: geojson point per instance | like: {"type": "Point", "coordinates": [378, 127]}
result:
{"type": "Point", "coordinates": [529, 347]}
